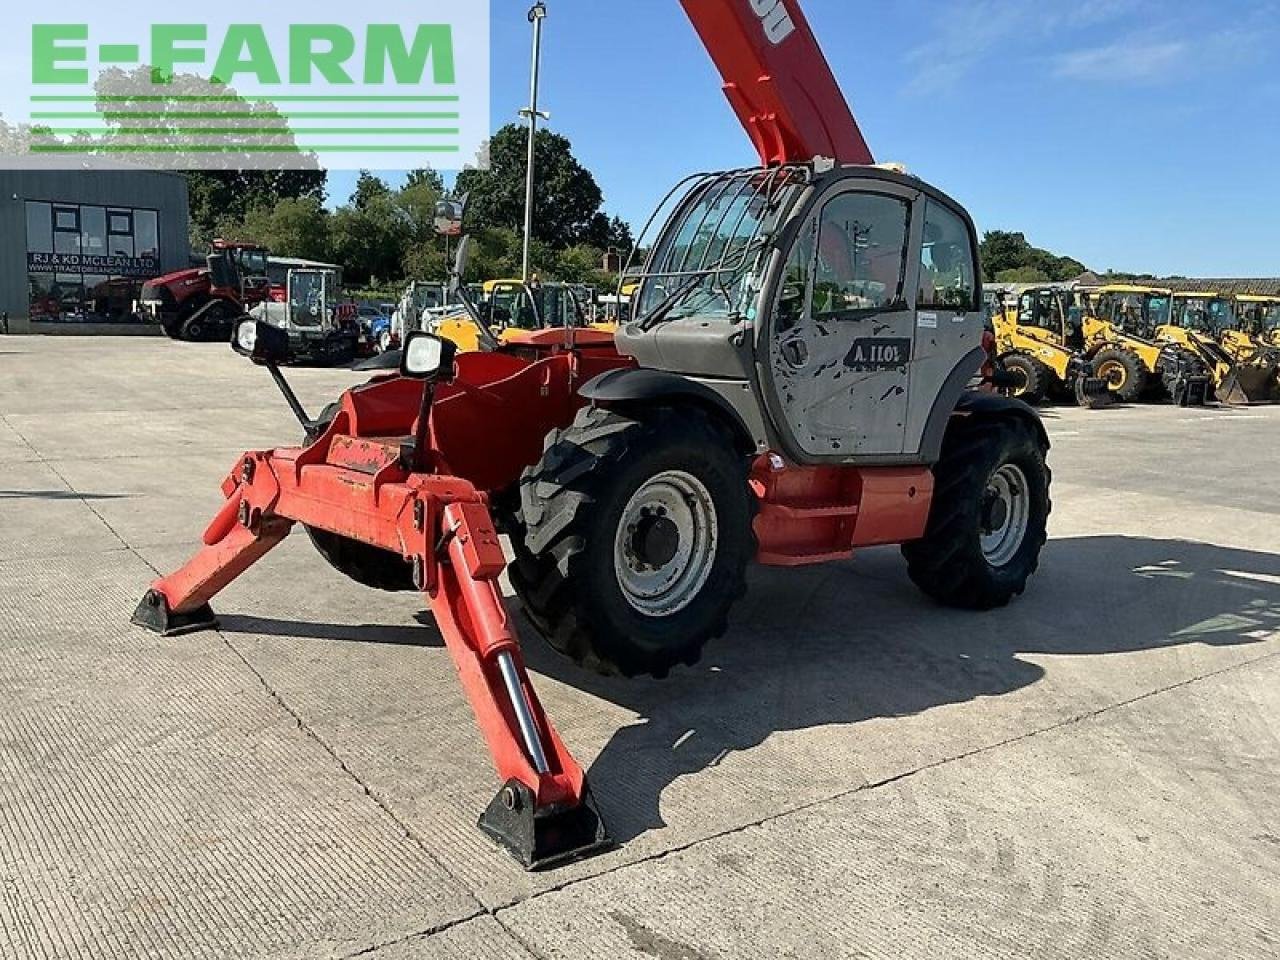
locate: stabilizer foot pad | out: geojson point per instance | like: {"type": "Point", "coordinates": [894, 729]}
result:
{"type": "Point", "coordinates": [154, 614]}
{"type": "Point", "coordinates": [541, 839]}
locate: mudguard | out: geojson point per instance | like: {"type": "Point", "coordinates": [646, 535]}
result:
{"type": "Point", "coordinates": [626, 386]}
{"type": "Point", "coordinates": [973, 403]}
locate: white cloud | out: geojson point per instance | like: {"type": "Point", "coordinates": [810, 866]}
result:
{"type": "Point", "coordinates": [968, 34]}
{"type": "Point", "coordinates": [1126, 60]}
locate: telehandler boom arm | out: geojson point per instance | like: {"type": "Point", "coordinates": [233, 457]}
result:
{"type": "Point", "coordinates": [778, 80]}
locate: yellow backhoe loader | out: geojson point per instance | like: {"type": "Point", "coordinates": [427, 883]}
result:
{"type": "Point", "coordinates": [1041, 343]}
{"type": "Point", "coordinates": [1196, 321]}
{"type": "Point", "coordinates": [1255, 334]}
{"type": "Point", "coordinates": [1121, 325]}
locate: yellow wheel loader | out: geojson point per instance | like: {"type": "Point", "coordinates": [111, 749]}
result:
{"type": "Point", "coordinates": [1041, 344]}
{"type": "Point", "coordinates": [1196, 321]}
{"type": "Point", "coordinates": [1121, 325]}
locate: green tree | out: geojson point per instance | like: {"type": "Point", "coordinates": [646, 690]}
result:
{"type": "Point", "coordinates": [368, 189]}
{"type": "Point", "coordinates": [1003, 253]}
{"type": "Point", "coordinates": [425, 176]}
{"type": "Point", "coordinates": [219, 194]}
{"type": "Point", "coordinates": [371, 241]}
{"type": "Point", "coordinates": [566, 197]}
{"type": "Point", "coordinates": [1022, 275]}
{"type": "Point", "coordinates": [610, 233]}
{"type": "Point", "coordinates": [294, 227]}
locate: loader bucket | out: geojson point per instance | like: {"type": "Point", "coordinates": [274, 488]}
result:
{"type": "Point", "coordinates": [1247, 384]}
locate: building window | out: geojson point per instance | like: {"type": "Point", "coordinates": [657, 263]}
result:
{"type": "Point", "coordinates": [87, 263]}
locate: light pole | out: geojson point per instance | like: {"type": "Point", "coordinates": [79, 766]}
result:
{"type": "Point", "coordinates": [537, 14]}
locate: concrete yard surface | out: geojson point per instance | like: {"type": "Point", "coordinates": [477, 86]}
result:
{"type": "Point", "coordinates": [850, 772]}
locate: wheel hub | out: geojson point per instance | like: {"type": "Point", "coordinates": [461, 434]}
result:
{"type": "Point", "coordinates": [655, 540]}
{"type": "Point", "coordinates": [666, 543]}
{"type": "Point", "coordinates": [995, 512]}
{"type": "Point", "coordinates": [1006, 514]}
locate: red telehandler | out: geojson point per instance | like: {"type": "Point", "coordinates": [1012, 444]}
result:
{"type": "Point", "coordinates": [792, 386]}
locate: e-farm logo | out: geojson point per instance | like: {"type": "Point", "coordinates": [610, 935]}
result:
{"type": "Point", "coordinates": [315, 50]}
{"type": "Point", "coordinates": [279, 94]}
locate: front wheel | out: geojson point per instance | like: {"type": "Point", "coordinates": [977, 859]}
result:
{"type": "Point", "coordinates": [633, 539]}
{"type": "Point", "coordinates": [988, 521]}
{"type": "Point", "coordinates": [1031, 378]}
{"type": "Point", "coordinates": [1123, 371]}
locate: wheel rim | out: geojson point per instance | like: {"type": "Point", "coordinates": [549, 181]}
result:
{"type": "Point", "coordinates": [384, 342]}
{"type": "Point", "coordinates": [1006, 514]}
{"type": "Point", "coordinates": [1114, 373]}
{"type": "Point", "coordinates": [666, 544]}
{"type": "Point", "coordinates": [1020, 383]}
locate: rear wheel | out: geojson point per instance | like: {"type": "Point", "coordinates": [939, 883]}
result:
{"type": "Point", "coordinates": [1123, 371]}
{"type": "Point", "coordinates": [633, 539]}
{"type": "Point", "coordinates": [1031, 378]}
{"type": "Point", "coordinates": [367, 565]}
{"type": "Point", "coordinates": [989, 516]}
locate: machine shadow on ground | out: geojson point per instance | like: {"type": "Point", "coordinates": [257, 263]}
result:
{"type": "Point", "coordinates": [844, 643]}
{"type": "Point", "coordinates": [58, 495]}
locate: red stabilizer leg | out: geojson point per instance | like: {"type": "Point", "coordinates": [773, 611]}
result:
{"type": "Point", "coordinates": [179, 603]}
{"type": "Point", "coordinates": [544, 814]}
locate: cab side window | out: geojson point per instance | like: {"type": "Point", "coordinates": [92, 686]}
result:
{"type": "Point", "coordinates": [862, 256]}
{"type": "Point", "coordinates": [793, 294]}
{"type": "Point", "coordinates": [947, 276]}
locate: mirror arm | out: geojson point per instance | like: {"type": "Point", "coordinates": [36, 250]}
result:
{"type": "Point", "coordinates": [290, 397]}
{"type": "Point", "coordinates": [413, 453]}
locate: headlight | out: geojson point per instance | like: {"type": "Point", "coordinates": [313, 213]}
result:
{"type": "Point", "coordinates": [247, 337]}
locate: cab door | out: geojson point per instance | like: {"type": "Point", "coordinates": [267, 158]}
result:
{"type": "Point", "coordinates": [843, 328]}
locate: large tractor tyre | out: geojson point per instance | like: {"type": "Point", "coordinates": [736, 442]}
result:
{"type": "Point", "coordinates": [1123, 371]}
{"type": "Point", "coordinates": [633, 539]}
{"type": "Point", "coordinates": [987, 524]}
{"type": "Point", "coordinates": [1031, 378]}
{"type": "Point", "coordinates": [366, 565]}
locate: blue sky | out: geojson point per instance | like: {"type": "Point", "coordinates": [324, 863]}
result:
{"type": "Point", "coordinates": [1132, 134]}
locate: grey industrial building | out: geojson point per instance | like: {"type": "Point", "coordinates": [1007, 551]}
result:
{"type": "Point", "coordinates": [76, 245]}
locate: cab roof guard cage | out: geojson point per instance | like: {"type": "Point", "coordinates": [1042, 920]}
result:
{"type": "Point", "coordinates": [711, 198]}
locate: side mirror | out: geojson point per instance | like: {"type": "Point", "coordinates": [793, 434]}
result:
{"type": "Point", "coordinates": [449, 216]}
{"type": "Point", "coordinates": [260, 342]}
{"type": "Point", "coordinates": [427, 357]}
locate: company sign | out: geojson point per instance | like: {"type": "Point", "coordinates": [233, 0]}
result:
{"type": "Point", "coordinates": [142, 268]}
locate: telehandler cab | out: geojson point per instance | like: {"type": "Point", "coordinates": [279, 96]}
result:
{"type": "Point", "coordinates": [1041, 344]}
{"type": "Point", "coordinates": [792, 387]}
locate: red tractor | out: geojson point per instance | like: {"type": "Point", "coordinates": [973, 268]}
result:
{"type": "Point", "coordinates": [793, 385]}
{"type": "Point", "coordinates": [202, 303]}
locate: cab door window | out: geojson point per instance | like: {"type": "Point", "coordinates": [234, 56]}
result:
{"type": "Point", "coordinates": [861, 256]}
{"type": "Point", "coordinates": [948, 270]}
